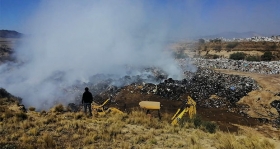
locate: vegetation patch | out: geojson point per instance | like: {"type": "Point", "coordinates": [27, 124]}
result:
{"type": "Point", "coordinates": [114, 130]}
{"type": "Point", "coordinates": [231, 45]}
{"type": "Point", "coordinates": [237, 56]}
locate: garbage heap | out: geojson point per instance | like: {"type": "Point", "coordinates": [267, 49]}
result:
{"type": "Point", "coordinates": [263, 67]}
{"type": "Point", "coordinates": [276, 105]}
{"type": "Point", "coordinates": [203, 84]}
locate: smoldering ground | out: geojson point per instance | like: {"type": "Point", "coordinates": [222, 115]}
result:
{"type": "Point", "coordinates": [70, 41]}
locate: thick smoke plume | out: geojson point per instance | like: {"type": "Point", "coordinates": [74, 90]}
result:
{"type": "Point", "coordinates": [70, 41]}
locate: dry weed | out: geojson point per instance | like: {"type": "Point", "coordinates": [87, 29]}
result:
{"type": "Point", "coordinates": [33, 131]}
{"type": "Point", "coordinates": [48, 141]}
{"type": "Point", "coordinates": [135, 130]}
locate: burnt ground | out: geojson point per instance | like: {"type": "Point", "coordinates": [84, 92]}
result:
{"type": "Point", "coordinates": [130, 96]}
{"type": "Point", "coordinates": [225, 119]}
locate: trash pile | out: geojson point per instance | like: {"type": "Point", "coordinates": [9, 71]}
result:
{"type": "Point", "coordinates": [200, 85]}
{"type": "Point", "coordinates": [203, 84]}
{"type": "Point", "coordinates": [210, 89]}
{"type": "Point", "coordinates": [263, 67]}
{"type": "Point", "coordinates": [276, 123]}
{"type": "Point", "coordinates": [276, 104]}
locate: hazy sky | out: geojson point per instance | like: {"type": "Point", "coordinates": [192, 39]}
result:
{"type": "Point", "coordinates": [198, 17]}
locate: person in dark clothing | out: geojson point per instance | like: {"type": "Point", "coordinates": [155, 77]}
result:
{"type": "Point", "coordinates": [87, 100]}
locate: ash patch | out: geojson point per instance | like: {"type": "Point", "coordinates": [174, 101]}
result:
{"type": "Point", "coordinates": [276, 123]}
{"type": "Point", "coordinates": [276, 104]}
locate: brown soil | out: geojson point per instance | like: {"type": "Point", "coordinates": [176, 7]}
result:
{"type": "Point", "coordinates": [225, 119]}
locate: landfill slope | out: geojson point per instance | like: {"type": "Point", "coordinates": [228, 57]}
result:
{"type": "Point", "coordinates": [263, 103]}
{"type": "Point", "coordinates": [129, 97]}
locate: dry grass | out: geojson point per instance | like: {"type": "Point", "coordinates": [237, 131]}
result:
{"type": "Point", "coordinates": [229, 141]}
{"type": "Point", "coordinates": [57, 129]}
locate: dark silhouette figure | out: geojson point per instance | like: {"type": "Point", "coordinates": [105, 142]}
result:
{"type": "Point", "coordinates": [87, 100]}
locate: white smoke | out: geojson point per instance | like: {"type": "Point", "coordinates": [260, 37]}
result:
{"type": "Point", "coordinates": [71, 41]}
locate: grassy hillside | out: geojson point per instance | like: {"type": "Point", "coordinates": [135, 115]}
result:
{"type": "Point", "coordinates": [224, 49]}
{"type": "Point", "coordinates": [60, 129]}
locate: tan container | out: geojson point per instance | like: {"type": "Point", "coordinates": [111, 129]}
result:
{"type": "Point", "coordinates": [152, 105]}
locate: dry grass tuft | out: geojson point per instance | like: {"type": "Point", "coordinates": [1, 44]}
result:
{"type": "Point", "coordinates": [135, 130]}
{"type": "Point", "coordinates": [48, 141]}
{"type": "Point", "coordinates": [230, 141]}
{"type": "Point", "coordinates": [21, 116]}
{"type": "Point", "coordinates": [59, 108]}
{"type": "Point", "coordinates": [79, 115]}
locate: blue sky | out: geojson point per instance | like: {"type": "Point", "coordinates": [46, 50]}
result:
{"type": "Point", "coordinates": [201, 17]}
{"type": "Point", "coordinates": [14, 13]}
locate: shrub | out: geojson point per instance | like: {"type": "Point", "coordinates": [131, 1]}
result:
{"type": "Point", "coordinates": [253, 58]}
{"type": "Point", "coordinates": [21, 116]}
{"type": "Point", "coordinates": [237, 56]}
{"type": "Point", "coordinates": [215, 56]}
{"type": "Point", "coordinates": [197, 121]}
{"type": "Point", "coordinates": [267, 56]}
{"type": "Point", "coordinates": [43, 113]}
{"type": "Point", "coordinates": [210, 56]}
{"type": "Point", "coordinates": [31, 108]}
{"type": "Point", "coordinates": [59, 108]}
{"type": "Point", "coordinates": [210, 126]}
